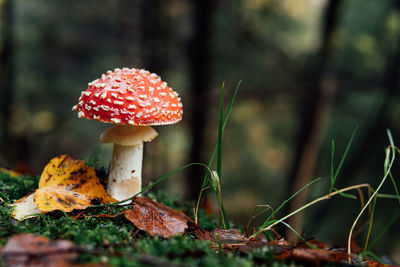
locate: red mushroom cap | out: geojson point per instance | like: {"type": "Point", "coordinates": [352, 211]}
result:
{"type": "Point", "coordinates": [130, 96]}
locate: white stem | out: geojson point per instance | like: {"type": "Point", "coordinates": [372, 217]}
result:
{"type": "Point", "coordinates": [125, 178]}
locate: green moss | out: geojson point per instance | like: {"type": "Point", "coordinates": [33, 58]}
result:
{"type": "Point", "coordinates": [13, 188]}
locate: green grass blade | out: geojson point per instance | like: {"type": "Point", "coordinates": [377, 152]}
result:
{"type": "Point", "coordinates": [388, 196]}
{"type": "Point", "coordinates": [395, 187]}
{"type": "Point", "coordinates": [267, 222]}
{"type": "Point", "coordinates": [389, 160]}
{"type": "Point", "coordinates": [206, 176]}
{"type": "Point", "coordinates": [371, 254]}
{"type": "Point", "coordinates": [333, 180]}
{"type": "Point", "coordinates": [371, 221]}
{"type": "Point", "coordinates": [220, 132]}
{"type": "Point", "coordinates": [345, 195]}
{"type": "Point", "coordinates": [332, 167]}
{"type": "Point", "coordinates": [384, 230]}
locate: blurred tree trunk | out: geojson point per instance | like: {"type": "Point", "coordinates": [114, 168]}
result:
{"type": "Point", "coordinates": [316, 103]}
{"type": "Point", "coordinates": [200, 76]}
{"type": "Point", "coordinates": [6, 76]}
{"type": "Point", "coordinates": [375, 135]}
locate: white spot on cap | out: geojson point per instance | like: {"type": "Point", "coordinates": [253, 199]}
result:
{"type": "Point", "coordinates": [124, 111]}
{"type": "Point", "coordinates": [131, 107]}
{"type": "Point", "coordinates": [114, 95]}
{"type": "Point", "coordinates": [115, 86]}
{"type": "Point", "coordinates": [173, 105]}
{"type": "Point", "coordinates": [96, 108]}
{"type": "Point", "coordinates": [103, 95]}
{"type": "Point", "coordinates": [163, 94]}
{"type": "Point", "coordinates": [87, 107]}
{"type": "Point", "coordinates": [115, 120]}
{"type": "Point", "coordinates": [143, 97]}
{"type": "Point", "coordinates": [171, 95]}
{"type": "Point", "coordinates": [143, 104]}
{"type": "Point", "coordinates": [96, 117]}
{"type": "Point", "coordinates": [104, 107]}
{"type": "Point", "coordinates": [155, 99]}
{"type": "Point", "coordinates": [81, 114]}
{"type": "Point", "coordinates": [118, 80]}
{"type": "Point", "coordinates": [131, 122]}
{"type": "Point", "coordinates": [87, 93]}
{"type": "Point", "coordinates": [75, 107]}
{"type": "Point", "coordinates": [139, 115]}
{"type": "Point", "coordinates": [97, 94]}
{"type": "Point", "coordinates": [92, 102]}
{"type": "Point", "coordinates": [120, 103]}
{"type": "Point", "coordinates": [130, 98]}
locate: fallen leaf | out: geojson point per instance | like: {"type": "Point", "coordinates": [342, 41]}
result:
{"type": "Point", "coordinates": [30, 250]}
{"type": "Point", "coordinates": [67, 184]}
{"type": "Point", "coordinates": [229, 236]}
{"type": "Point", "coordinates": [10, 172]}
{"type": "Point", "coordinates": [157, 219]}
{"type": "Point", "coordinates": [24, 208]}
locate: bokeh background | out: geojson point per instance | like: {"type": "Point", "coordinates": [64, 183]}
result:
{"type": "Point", "coordinates": [312, 72]}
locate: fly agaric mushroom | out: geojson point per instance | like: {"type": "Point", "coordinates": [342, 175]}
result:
{"type": "Point", "coordinates": [133, 99]}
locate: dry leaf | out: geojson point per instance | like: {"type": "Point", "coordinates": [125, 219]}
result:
{"type": "Point", "coordinates": [30, 250]}
{"type": "Point", "coordinates": [67, 184]}
{"type": "Point", "coordinates": [24, 208]}
{"type": "Point", "coordinates": [157, 219]}
{"type": "Point", "coordinates": [10, 172]}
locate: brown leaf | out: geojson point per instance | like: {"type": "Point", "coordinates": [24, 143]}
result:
{"type": "Point", "coordinates": [229, 236]}
{"type": "Point", "coordinates": [30, 250]}
{"type": "Point", "coordinates": [157, 219]}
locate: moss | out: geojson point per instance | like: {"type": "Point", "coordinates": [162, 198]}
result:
{"type": "Point", "coordinates": [13, 188]}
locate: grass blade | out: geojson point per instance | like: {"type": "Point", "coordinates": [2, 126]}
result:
{"type": "Point", "coordinates": [220, 131]}
{"type": "Point", "coordinates": [206, 176]}
{"type": "Point", "coordinates": [333, 179]}
{"type": "Point", "coordinates": [268, 222]}
{"type": "Point", "coordinates": [389, 160]}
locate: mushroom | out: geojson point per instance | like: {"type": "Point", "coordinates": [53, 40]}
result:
{"type": "Point", "coordinates": [133, 100]}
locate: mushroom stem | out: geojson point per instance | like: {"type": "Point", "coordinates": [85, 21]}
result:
{"type": "Point", "coordinates": [125, 178]}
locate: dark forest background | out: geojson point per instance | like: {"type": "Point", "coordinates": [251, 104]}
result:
{"type": "Point", "coordinates": [312, 71]}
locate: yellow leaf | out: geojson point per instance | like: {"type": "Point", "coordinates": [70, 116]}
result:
{"type": "Point", "coordinates": [10, 172]}
{"type": "Point", "coordinates": [67, 184]}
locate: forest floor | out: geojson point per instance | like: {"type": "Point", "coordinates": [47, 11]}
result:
{"type": "Point", "coordinates": [156, 230]}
